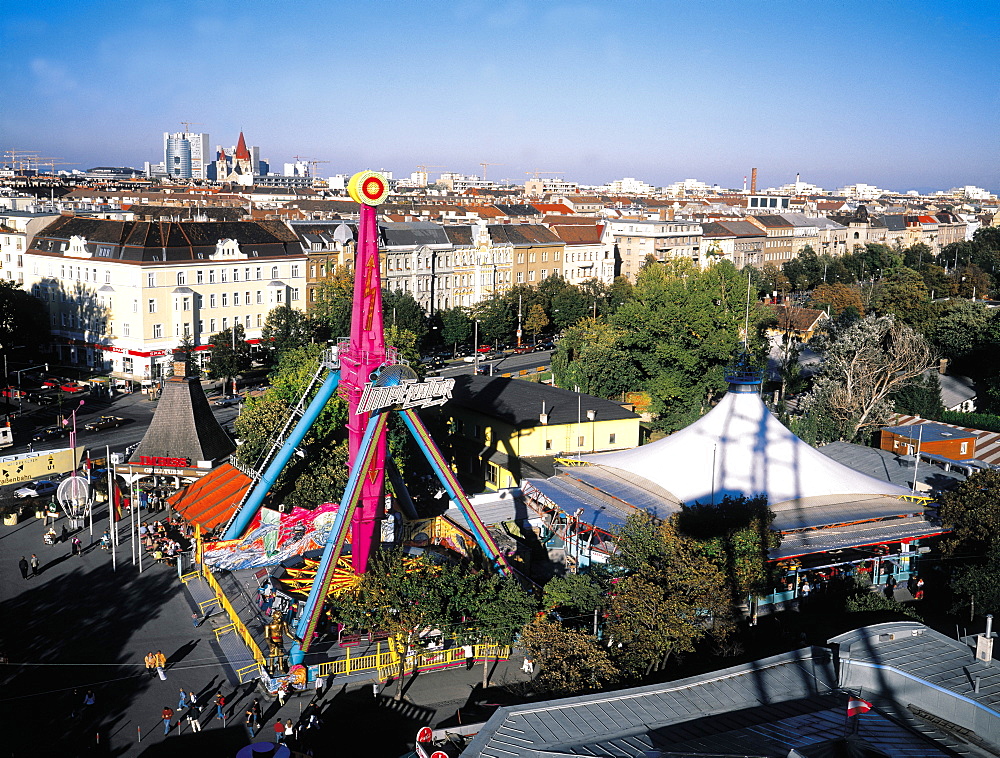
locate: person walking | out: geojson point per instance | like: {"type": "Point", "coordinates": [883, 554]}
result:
{"type": "Point", "coordinates": [248, 723]}
{"type": "Point", "coordinates": [289, 730]}
{"type": "Point", "coordinates": [35, 565]}
{"type": "Point", "coordinates": [193, 702]}
{"type": "Point", "coordinates": [258, 716]}
{"type": "Point", "coordinates": [168, 714]}
{"type": "Point", "coordinates": [220, 703]}
{"type": "Point", "coordinates": [161, 664]}
{"type": "Point", "coordinates": [181, 700]}
{"type": "Point", "coordinates": [89, 698]}
{"type": "Point", "coordinates": [192, 719]}
{"type": "Point", "coordinates": [23, 566]}
{"type": "Point", "coordinates": [150, 661]}
{"type": "Point", "coordinates": [77, 546]}
{"type": "Point", "coordinates": [64, 536]}
{"type": "Point", "coordinates": [279, 732]}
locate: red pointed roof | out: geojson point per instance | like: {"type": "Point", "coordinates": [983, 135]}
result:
{"type": "Point", "coordinates": [222, 153]}
{"type": "Point", "coordinates": [242, 154]}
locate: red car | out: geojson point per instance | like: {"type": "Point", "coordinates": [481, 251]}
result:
{"type": "Point", "coordinates": [13, 392]}
{"type": "Point", "coordinates": [523, 349]}
{"type": "Point", "coordinates": [484, 349]}
{"type": "Point", "coordinates": [72, 387]}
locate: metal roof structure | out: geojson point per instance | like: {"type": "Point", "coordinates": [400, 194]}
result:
{"type": "Point", "coordinates": [884, 464]}
{"type": "Point", "coordinates": [763, 709]}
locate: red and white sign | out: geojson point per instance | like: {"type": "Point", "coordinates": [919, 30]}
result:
{"type": "Point", "coordinates": [425, 734]}
{"type": "Point", "coordinates": [856, 706]}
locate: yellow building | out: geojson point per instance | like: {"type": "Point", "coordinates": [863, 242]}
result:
{"type": "Point", "coordinates": [492, 423]}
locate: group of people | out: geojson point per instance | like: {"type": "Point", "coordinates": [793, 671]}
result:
{"type": "Point", "coordinates": [156, 664]}
{"type": "Point", "coordinates": [158, 538]}
{"type": "Point", "coordinates": [23, 565]}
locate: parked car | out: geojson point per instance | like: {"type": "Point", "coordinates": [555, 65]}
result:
{"type": "Point", "coordinates": [522, 349]}
{"type": "Point", "coordinates": [73, 387]}
{"type": "Point", "coordinates": [13, 392]}
{"type": "Point", "coordinates": [104, 422]}
{"type": "Point", "coordinates": [225, 401]}
{"type": "Point", "coordinates": [55, 381]}
{"type": "Point", "coordinates": [49, 433]}
{"type": "Point", "coordinates": [484, 349]}
{"type": "Point", "coordinates": [41, 488]}
{"type": "Point", "coordinates": [543, 346]}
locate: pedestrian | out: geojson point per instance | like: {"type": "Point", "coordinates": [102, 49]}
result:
{"type": "Point", "coordinates": [890, 587]}
{"type": "Point", "coordinates": [375, 688]}
{"type": "Point", "coordinates": [77, 546]}
{"type": "Point", "coordinates": [282, 694]}
{"type": "Point", "coordinates": [181, 700]}
{"type": "Point", "coordinates": [289, 730]}
{"type": "Point", "coordinates": [528, 667]}
{"type": "Point", "coordinates": [35, 565]}
{"type": "Point", "coordinates": [220, 703]}
{"type": "Point", "coordinates": [168, 714]}
{"type": "Point", "coordinates": [279, 732]}
{"type": "Point", "coordinates": [150, 660]}
{"type": "Point", "coordinates": [89, 698]}
{"type": "Point", "coordinates": [23, 566]}
{"type": "Point", "coordinates": [161, 664]}
{"type": "Point", "coordinates": [919, 594]}
{"type": "Point", "coordinates": [258, 717]}
{"type": "Point", "coordinates": [195, 618]}
{"type": "Point", "coordinates": [248, 723]}
{"type": "Point", "coordinates": [65, 534]}
{"type": "Point", "coordinates": [192, 719]}
{"type": "Point", "coordinates": [193, 702]}
{"type": "Point", "coordinates": [469, 659]}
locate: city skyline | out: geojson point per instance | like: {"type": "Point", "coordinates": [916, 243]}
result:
{"type": "Point", "coordinates": [893, 96]}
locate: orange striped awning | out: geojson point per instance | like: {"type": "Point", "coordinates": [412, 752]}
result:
{"type": "Point", "coordinates": [211, 500]}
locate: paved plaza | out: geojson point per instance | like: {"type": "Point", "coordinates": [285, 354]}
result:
{"type": "Point", "coordinates": [80, 626]}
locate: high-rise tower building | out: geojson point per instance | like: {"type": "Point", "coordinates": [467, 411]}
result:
{"type": "Point", "coordinates": [186, 155]}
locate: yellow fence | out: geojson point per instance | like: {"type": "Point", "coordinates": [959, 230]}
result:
{"type": "Point", "coordinates": [386, 662]}
{"type": "Point", "coordinates": [237, 626]}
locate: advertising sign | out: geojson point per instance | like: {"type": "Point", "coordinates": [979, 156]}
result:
{"type": "Point", "coordinates": [14, 470]}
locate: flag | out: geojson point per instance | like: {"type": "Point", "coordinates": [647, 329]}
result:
{"type": "Point", "coordinates": [117, 496]}
{"type": "Point", "coordinates": [856, 706]}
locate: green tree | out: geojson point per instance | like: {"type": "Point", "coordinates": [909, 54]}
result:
{"type": "Point", "coordinates": [569, 661]}
{"type": "Point", "coordinates": [230, 354]}
{"type": "Point", "coordinates": [331, 310]}
{"type": "Point", "coordinates": [680, 330]}
{"type": "Point", "coordinates": [497, 316]}
{"type": "Point", "coordinates": [903, 294]}
{"type": "Point", "coordinates": [921, 396]}
{"type": "Point", "coordinates": [576, 594]}
{"type": "Point", "coordinates": [863, 367]}
{"type": "Point", "coordinates": [456, 327]}
{"type": "Point", "coordinates": [972, 282]}
{"type": "Point", "coordinates": [937, 281]}
{"type": "Point", "coordinates": [536, 321]}
{"type": "Point", "coordinates": [568, 306]}
{"type": "Point", "coordinates": [284, 328]}
{"type": "Point", "coordinates": [590, 357]}
{"type": "Point", "coordinates": [972, 512]}
{"type": "Point", "coordinates": [400, 309]}
{"type": "Point", "coordinates": [838, 298]}
{"type": "Point", "coordinates": [978, 585]}
{"type": "Point", "coordinates": [24, 320]}
{"type": "Point", "coordinates": [672, 594]}
{"type": "Point", "coordinates": [960, 330]}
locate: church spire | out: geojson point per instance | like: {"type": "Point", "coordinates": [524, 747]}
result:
{"type": "Point", "coordinates": [242, 154]}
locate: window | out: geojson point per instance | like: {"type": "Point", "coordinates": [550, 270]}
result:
{"type": "Point", "coordinates": [152, 306]}
{"type": "Point", "coordinates": [520, 257]}
{"type": "Point", "coordinates": [201, 327]}
{"type": "Point", "coordinates": [531, 257]}
{"type": "Point", "coordinates": [126, 329]}
{"type": "Point", "coordinates": [225, 323]}
{"type": "Point", "coordinates": [150, 280]}
{"type": "Point", "coordinates": [211, 276]}
{"type": "Point", "coordinates": [199, 277]}
{"type": "Point", "coordinates": [293, 295]}
{"type": "Point", "coordinates": [965, 448]}
{"type": "Point", "coordinates": [225, 301]}
{"type": "Point", "coordinates": [548, 444]}
{"type": "Point", "coordinates": [520, 277]}
{"type": "Point", "coordinates": [579, 441]}
{"type": "Point", "coordinates": [186, 304]}
{"type": "Point", "coordinates": [211, 300]}
{"type": "Point", "coordinates": [274, 272]}
{"type": "Point", "coordinates": [531, 276]}
{"type": "Point", "coordinates": [107, 277]}
{"type": "Point", "coordinates": [181, 278]}
{"type": "Point", "coordinates": [295, 270]}
{"type": "Point", "coordinates": [224, 274]}
{"type": "Point", "coordinates": [545, 273]}
{"type": "Point", "coordinates": [279, 296]}
{"type": "Point", "coordinates": [211, 325]}
{"type": "Point", "coordinates": [199, 301]}
{"type": "Point", "coordinates": [157, 331]}
{"type": "Point", "coordinates": [135, 306]}
{"type": "Point", "coordinates": [260, 297]}
{"type": "Point", "coordinates": [312, 272]}
{"type": "Point", "coordinates": [257, 272]}
{"type": "Point", "coordinates": [258, 319]}
{"type": "Point", "coordinates": [611, 438]}
{"type": "Point", "coordinates": [246, 298]}
{"type": "Point", "coordinates": [246, 321]}
{"type": "Point", "coordinates": [236, 274]}
{"type": "Point", "coordinates": [545, 256]}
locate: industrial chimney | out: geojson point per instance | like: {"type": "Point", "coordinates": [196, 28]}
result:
{"type": "Point", "coordinates": [753, 181]}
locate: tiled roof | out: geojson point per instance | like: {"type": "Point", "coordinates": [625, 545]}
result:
{"type": "Point", "coordinates": [579, 234]}
{"type": "Point", "coordinates": [522, 234]}
{"type": "Point", "coordinates": [799, 319]}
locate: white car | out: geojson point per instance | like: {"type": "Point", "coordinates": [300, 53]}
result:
{"type": "Point", "coordinates": [37, 489]}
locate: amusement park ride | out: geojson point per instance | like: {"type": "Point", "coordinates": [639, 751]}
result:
{"type": "Point", "coordinates": [368, 375]}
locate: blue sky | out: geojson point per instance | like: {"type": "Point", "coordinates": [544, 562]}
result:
{"type": "Point", "coordinates": [899, 94]}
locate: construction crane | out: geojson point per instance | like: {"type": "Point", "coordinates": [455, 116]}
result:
{"type": "Point", "coordinates": [536, 173]}
{"type": "Point", "coordinates": [21, 159]}
{"type": "Point", "coordinates": [484, 165]}
{"type": "Point", "coordinates": [188, 124]}
{"type": "Point", "coordinates": [52, 163]}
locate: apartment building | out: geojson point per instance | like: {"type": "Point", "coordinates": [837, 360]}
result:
{"type": "Point", "coordinates": [122, 294]}
{"type": "Point", "coordinates": [586, 255]}
{"type": "Point", "coordinates": [779, 245]}
{"type": "Point", "coordinates": [739, 242]}
{"type": "Point", "coordinates": [417, 258]}
{"type": "Point", "coordinates": [632, 240]}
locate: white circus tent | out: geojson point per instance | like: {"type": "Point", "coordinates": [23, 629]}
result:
{"type": "Point", "coordinates": [740, 448]}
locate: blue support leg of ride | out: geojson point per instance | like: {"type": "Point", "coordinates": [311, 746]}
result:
{"type": "Point", "coordinates": [399, 487]}
{"type": "Point", "coordinates": [335, 542]}
{"type": "Point", "coordinates": [270, 476]}
{"type": "Point", "coordinates": [447, 478]}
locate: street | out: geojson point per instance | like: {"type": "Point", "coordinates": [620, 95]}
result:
{"type": "Point", "coordinates": [512, 364]}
